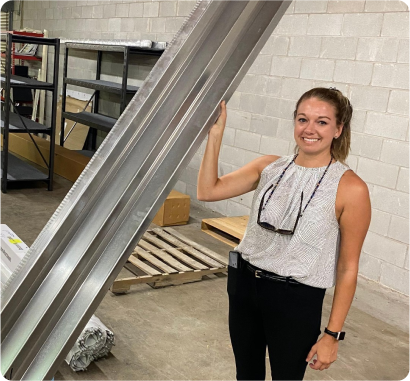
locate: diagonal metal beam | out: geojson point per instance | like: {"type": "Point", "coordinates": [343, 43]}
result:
{"type": "Point", "coordinates": [85, 244]}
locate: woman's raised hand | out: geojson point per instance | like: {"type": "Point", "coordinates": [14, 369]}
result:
{"type": "Point", "coordinates": [219, 126]}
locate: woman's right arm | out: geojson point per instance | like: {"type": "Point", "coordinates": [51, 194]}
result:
{"type": "Point", "coordinates": [243, 180]}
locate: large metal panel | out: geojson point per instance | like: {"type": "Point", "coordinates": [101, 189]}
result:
{"type": "Point", "coordinates": [85, 244]}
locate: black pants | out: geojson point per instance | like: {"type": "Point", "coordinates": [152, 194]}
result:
{"type": "Point", "coordinates": [284, 317]}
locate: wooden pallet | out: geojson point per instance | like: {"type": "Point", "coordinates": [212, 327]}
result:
{"type": "Point", "coordinates": [165, 257]}
{"type": "Point", "coordinates": [227, 229]}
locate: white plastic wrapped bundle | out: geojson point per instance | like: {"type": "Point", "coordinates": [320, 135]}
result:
{"type": "Point", "coordinates": [95, 341]}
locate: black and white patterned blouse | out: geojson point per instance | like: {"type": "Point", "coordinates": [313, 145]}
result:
{"type": "Point", "coordinates": [310, 254]}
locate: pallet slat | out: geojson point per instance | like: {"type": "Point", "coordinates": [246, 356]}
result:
{"type": "Point", "coordinates": [142, 266]}
{"type": "Point", "coordinates": [197, 246]}
{"type": "Point", "coordinates": [229, 230]}
{"type": "Point", "coordinates": [204, 258]}
{"type": "Point", "coordinates": [149, 257]}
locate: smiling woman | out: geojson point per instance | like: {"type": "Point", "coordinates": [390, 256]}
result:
{"type": "Point", "coordinates": [310, 214]}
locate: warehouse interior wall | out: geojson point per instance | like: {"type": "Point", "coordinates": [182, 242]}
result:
{"type": "Point", "coordinates": [360, 47]}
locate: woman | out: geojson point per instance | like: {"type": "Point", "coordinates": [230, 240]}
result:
{"type": "Point", "coordinates": [309, 217]}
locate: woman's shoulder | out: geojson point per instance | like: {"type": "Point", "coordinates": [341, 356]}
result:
{"type": "Point", "coordinates": [351, 186]}
{"type": "Point", "coordinates": [269, 161]}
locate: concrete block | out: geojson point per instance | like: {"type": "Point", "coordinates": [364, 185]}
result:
{"type": "Point", "coordinates": [98, 12]}
{"type": "Point", "coordinates": [41, 14]}
{"type": "Point", "coordinates": [244, 199]}
{"type": "Point", "coordinates": [218, 206]}
{"type": "Point", "coordinates": [293, 88]}
{"type": "Point", "coordinates": [141, 25]}
{"type": "Point", "coordinates": [122, 10]}
{"type": "Point", "coordinates": [57, 14]}
{"type": "Point", "coordinates": [167, 8]}
{"type": "Point", "coordinates": [75, 12]}
{"type": "Point", "coordinates": [190, 176]}
{"type": "Point", "coordinates": [403, 53]}
{"type": "Point", "coordinates": [173, 24]}
{"type": "Point", "coordinates": [395, 152]}
{"type": "Point", "coordinates": [247, 140]}
{"type": "Point", "coordinates": [396, 25]}
{"type": "Point", "coordinates": [136, 10]}
{"type": "Point", "coordinates": [253, 103]}
{"type": "Point", "coordinates": [369, 98]}
{"type": "Point", "coordinates": [378, 173]}
{"type": "Point", "coordinates": [280, 108]}
{"type": "Point", "coordinates": [239, 120]}
{"type": "Point", "coordinates": [395, 277]}
{"type": "Point", "coordinates": [369, 266]}
{"type": "Point", "coordinates": [273, 86]}
{"type": "Point", "coordinates": [380, 222]}
{"type": "Point", "coordinates": [366, 145]}
{"type": "Point", "coordinates": [285, 66]}
{"type": "Point", "coordinates": [403, 180]}
{"type": "Point", "coordinates": [286, 129]}
{"type": "Point", "coordinates": [232, 155]}
{"type": "Point", "coordinates": [362, 24]}
{"type": "Point", "coordinates": [180, 186]}
{"type": "Point", "coordinates": [385, 6]}
{"type": "Point", "coordinates": [359, 73]}
{"type": "Point", "coordinates": [339, 47]}
{"type": "Point", "coordinates": [235, 101]}
{"type": "Point", "coordinates": [292, 25]}
{"type": "Point", "coordinates": [157, 25]}
{"type": "Point", "coordinates": [406, 263]}
{"type": "Point", "coordinates": [49, 14]}
{"type": "Point", "coordinates": [303, 6]}
{"type": "Point", "coordinates": [229, 136]}
{"type": "Point", "coordinates": [388, 126]}
{"type": "Point", "coordinates": [358, 120]}
{"type": "Point", "coordinates": [224, 169]}
{"type": "Point", "coordinates": [253, 84]}
{"type": "Point", "coordinates": [277, 45]}
{"type": "Point", "coordinates": [261, 65]}
{"type": "Point", "coordinates": [151, 9]}
{"type": "Point", "coordinates": [399, 229]}
{"type": "Point", "coordinates": [264, 125]}
{"type": "Point", "coordinates": [343, 87]}
{"type": "Point", "coordinates": [399, 102]}
{"type": "Point", "coordinates": [114, 25]}
{"type": "Point", "coordinates": [385, 249]}
{"type": "Point", "coordinates": [165, 37]}
{"type": "Point", "coordinates": [127, 25]}
{"type": "Point", "coordinates": [391, 75]}
{"type": "Point", "coordinates": [352, 161]}
{"type": "Point", "coordinates": [191, 191]}
{"type": "Point", "coordinates": [236, 209]}
{"type": "Point", "coordinates": [78, 25]}
{"type": "Point", "coordinates": [325, 25]}
{"type": "Point", "coordinates": [390, 201]}
{"type": "Point", "coordinates": [377, 49]}
{"type": "Point", "coordinates": [342, 6]}
{"type": "Point", "coordinates": [317, 69]}
{"type": "Point", "coordinates": [109, 10]}
{"type": "Point", "coordinates": [87, 12]}
{"type": "Point", "coordinates": [304, 46]}
{"type": "Point", "coordinates": [185, 7]}
{"type": "Point", "coordinates": [248, 156]}
{"type": "Point", "coordinates": [274, 146]}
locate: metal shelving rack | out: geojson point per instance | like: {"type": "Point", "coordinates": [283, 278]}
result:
{"type": "Point", "coordinates": [14, 169]}
{"type": "Point", "coordinates": [94, 119]}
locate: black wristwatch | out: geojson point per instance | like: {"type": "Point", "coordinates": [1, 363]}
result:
{"type": "Point", "coordinates": [336, 335]}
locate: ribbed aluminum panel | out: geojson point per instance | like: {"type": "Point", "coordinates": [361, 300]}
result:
{"type": "Point", "coordinates": [85, 244]}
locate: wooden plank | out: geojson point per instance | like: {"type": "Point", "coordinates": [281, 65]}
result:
{"type": "Point", "coordinates": [164, 256]}
{"type": "Point", "coordinates": [197, 254]}
{"type": "Point", "coordinates": [234, 226]}
{"type": "Point", "coordinates": [176, 253]}
{"type": "Point", "coordinates": [197, 246]}
{"type": "Point", "coordinates": [144, 267]}
{"type": "Point", "coordinates": [155, 261]}
{"type": "Point", "coordinates": [125, 283]}
{"type": "Point", "coordinates": [233, 242]}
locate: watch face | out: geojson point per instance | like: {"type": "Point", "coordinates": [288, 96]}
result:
{"type": "Point", "coordinates": [342, 336]}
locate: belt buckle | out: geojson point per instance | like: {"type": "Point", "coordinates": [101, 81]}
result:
{"type": "Point", "coordinates": [257, 272]}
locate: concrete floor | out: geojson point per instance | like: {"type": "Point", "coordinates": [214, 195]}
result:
{"type": "Point", "coordinates": [181, 332]}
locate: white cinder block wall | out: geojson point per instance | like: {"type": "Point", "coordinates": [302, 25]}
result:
{"type": "Point", "coordinates": [360, 47]}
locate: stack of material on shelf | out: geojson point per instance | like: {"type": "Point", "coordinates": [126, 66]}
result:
{"type": "Point", "coordinates": [95, 341]}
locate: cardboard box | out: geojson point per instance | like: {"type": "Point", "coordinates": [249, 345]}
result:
{"type": "Point", "coordinates": [13, 249]}
{"type": "Point", "coordinates": [174, 211]}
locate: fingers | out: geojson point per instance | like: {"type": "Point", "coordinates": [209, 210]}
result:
{"type": "Point", "coordinates": [318, 365]}
{"type": "Point", "coordinates": [311, 353]}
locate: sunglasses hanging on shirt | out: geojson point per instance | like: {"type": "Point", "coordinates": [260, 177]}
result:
{"type": "Point", "coordinates": [262, 205]}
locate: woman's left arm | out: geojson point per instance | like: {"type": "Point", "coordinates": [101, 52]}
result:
{"type": "Point", "coordinates": [354, 223]}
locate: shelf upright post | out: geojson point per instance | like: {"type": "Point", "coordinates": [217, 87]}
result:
{"type": "Point", "coordinates": [124, 79]}
{"type": "Point", "coordinates": [53, 115]}
{"type": "Point", "coordinates": [96, 100]}
{"type": "Point", "coordinates": [64, 96]}
{"type": "Point", "coordinates": [7, 73]}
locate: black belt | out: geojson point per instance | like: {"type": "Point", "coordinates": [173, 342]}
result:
{"type": "Point", "coordinates": [271, 276]}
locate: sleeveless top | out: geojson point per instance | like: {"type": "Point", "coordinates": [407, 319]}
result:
{"type": "Point", "coordinates": [310, 254]}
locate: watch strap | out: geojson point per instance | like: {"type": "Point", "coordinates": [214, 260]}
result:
{"type": "Point", "coordinates": [336, 335]}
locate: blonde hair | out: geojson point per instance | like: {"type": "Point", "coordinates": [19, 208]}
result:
{"type": "Point", "coordinates": [343, 110]}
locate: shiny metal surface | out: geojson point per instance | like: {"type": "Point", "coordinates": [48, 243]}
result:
{"type": "Point", "coordinates": [85, 244]}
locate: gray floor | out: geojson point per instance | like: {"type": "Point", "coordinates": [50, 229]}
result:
{"type": "Point", "coordinates": [180, 332]}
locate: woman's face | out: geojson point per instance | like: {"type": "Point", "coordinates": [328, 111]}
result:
{"type": "Point", "coordinates": [315, 126]}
